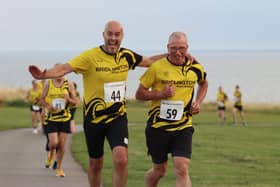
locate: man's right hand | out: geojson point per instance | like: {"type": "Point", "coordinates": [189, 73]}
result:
{"type": "Point", "coordinates": [169, 91]}
{"type": "Point", "coordinates": [36, 72]}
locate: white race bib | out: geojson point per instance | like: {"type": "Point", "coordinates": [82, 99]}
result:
{"type": "Point", "coordinates": [171, 110]}
{"type": "Point", "coordinates": [221, 104]}
{"type": "Point", "coordinates": [114, 91]}
{"type": "Point", "coordinates": [35, 107]}
{"type": "Point", "coordinates": [58, 104]}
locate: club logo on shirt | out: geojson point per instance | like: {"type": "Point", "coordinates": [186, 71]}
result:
{"type": "Point", "coordinates": [116, 69]}
{"type": "Point", "coordinates": [180, 83]}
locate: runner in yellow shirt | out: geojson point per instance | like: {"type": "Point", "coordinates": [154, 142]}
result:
{"type": "Point", "coordinates": [74, 108]}
{"type": "Point", "coordinates": [58, 94]}
{"type": "Point", "coordinates": [104, 70]}
{"type": "Point", "coordinates": [169, 83]}
{"type": "Point", "coordinates": [33, 97]}
{"type": "Point", "coordinates": [238, 106]}
{"type": "Point", "coordinates": [221, 101]}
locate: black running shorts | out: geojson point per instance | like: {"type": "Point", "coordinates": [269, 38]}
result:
{"type": "Point", "coordinates": [57, 127]}
{"type": "Point", "coordinates": [161, 142]}
{"type": "Point", "coordinates": [116, 133]}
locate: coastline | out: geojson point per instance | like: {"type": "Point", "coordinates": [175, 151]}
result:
{"type": "Point", "coordinates": [19, 93]}
{"type": "Point", "coordinates": [224, 68]}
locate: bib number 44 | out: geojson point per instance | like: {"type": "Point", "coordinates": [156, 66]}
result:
{"type": "Point", "coordinates": [114, 91]}
{"type": "Point", "coordinates": [116, 95]}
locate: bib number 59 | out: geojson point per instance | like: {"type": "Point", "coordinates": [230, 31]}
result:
{"type": "Point", "coordinates": [171, 110]}
{"type": "Point", "coordinates": [171, 113]}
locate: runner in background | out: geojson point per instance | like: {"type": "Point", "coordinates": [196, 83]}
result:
{"type": "Point", "coordinates": [73, 109]}
{"type": "Point", "coordinates": [221, 102]}
{"type": "Point", "coordinates": [238, 106]}
{"type": "Point", "coordinates": [33, 97]}
{"type": "Point", "coordinates": [57, 97]}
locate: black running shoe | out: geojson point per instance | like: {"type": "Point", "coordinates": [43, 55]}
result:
{"type": "Point", "coordinates": [54, 166]}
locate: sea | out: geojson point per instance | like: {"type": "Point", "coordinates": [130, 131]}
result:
{"type": "Point", "coordinates": [256, 72]}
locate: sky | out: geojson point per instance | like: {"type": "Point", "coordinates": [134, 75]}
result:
{"type": "Point", "coordinates": [77, 25]}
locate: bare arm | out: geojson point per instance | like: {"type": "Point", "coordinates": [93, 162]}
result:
{"type": "Point", "coordinates": [26, 99]}
{"type": "Point", "coordinates": [71, 97]}
{"type": "Point", "coordinates": [44, 95]}
{"type": "Point", "coordinates": [200, 95]}
{"type": "Point", "coordinates": [54, 72]}
{"type": "Point", "coordinates": [145, 94]}
{"type": "Point", "coordinates": [147, 61]}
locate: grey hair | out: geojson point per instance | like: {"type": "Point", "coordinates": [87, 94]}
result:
{"type": "Point", "coordinates": [177, 35]}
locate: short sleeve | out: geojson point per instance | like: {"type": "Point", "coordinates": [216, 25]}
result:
{"type": "Point", "coordinates": [132, 58]}
{"type": "Point", "coordinates": [148, 78]}
{"type": "Point", "coordinates": [199, 70]}
{"type": "Point", "coordinates": [80, 63]}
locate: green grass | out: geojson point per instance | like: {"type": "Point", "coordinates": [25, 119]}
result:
{"type": "Point", "coordinates": [12, 117]}
{"type": "Point", "coordinates": [223, 156]}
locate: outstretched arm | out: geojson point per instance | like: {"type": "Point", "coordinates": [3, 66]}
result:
{"type": "Point", "coordinates": [147, 61]}
{"type": "Point", "coordinates": [54, 72]}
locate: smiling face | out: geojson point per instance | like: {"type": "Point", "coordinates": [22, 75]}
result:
{"type": "Point", "coordinates": [113, 35]}
{"type": "Point", "coordinates": [177, 48]}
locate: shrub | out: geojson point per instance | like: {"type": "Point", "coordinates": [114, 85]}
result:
{"type": "Point", "coordinates": [15, 103]}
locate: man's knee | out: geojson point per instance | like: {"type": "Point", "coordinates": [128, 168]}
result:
{"type": "Point", "coordinates": [120, 157]}
{"type": "Point", "coordinates": [182, 167]}
{"type": "Point", "coordinates": [95, 165]}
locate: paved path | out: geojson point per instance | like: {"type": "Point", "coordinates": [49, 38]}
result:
{"type": "Point", "coordinates": [22, 159]}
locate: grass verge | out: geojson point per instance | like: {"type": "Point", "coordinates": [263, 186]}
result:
{"type": "Point", "coordinates": [223, 156]}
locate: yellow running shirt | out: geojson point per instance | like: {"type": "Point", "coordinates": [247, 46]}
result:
{"type": "Point", "coordinates": [221, 98]}
{"type": "Point", "coordinates": [34, 96]}
{"type": "Point", "coordinates": [184, 78]}
{"type": "Point", "coordinates": [237, 98]}
{"type": "Point", "coordinates": [104, 81]}
{"type": "Point", "coordinates": [55, 97]}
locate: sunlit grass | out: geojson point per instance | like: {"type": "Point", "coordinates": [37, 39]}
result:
{"type": "Point", "coordinates": [223, 156]}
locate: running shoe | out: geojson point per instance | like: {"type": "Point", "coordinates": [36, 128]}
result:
{"type": "Point", "coordinates": [48, 161]}
{"type": "Point", "coordinates": [34, 131]}
{"type": "Point", "coordinates": [60, 173]}
{"type": "Point", "coordinates": [54, 166]}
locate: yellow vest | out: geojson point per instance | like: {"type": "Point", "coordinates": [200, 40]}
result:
{"type": "Point", "coordinates": [55, 97]}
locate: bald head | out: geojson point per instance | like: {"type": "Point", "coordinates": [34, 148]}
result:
{"type": "Point", "coordinates": [113, 25]}
{"type": "Point", "coordinates": [113, 35]}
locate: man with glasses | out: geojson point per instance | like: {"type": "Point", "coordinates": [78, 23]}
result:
{"type": "Point", "coordinates": [170, 83]}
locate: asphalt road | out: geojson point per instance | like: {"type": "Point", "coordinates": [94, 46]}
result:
{"type": "Point", "coordinates": [22, 162]}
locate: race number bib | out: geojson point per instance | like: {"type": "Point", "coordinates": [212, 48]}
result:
{"type": "Point", "coordinates": [171, 110]}
{"type": "Point", "coordinates": [114, 91]}
{"type": "Point", "coordinates": [35, 107]}
{"type": "Point", "coordinates": [221, 104]}
{"type": "Point", "coordinates": [58, 104]}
